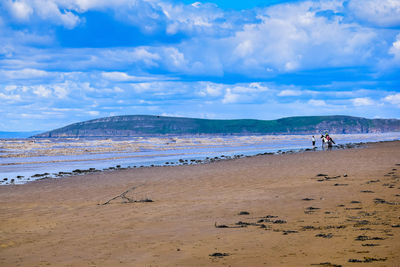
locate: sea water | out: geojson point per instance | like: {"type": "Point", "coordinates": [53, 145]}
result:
{"type": "Point", "coordinates": [21, 160]}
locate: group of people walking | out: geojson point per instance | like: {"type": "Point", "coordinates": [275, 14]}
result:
{"type": "Point", "coordinates": [326, 140]}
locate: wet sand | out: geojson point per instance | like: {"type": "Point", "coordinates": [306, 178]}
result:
{"type": "Point", "coordinates": [311, 209]}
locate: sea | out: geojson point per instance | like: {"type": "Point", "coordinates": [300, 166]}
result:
{"type": "Point", "coordinates": [24, 160]}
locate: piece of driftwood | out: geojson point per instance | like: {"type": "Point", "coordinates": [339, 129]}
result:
{"type": "Point", "coordinates": [127, 199]}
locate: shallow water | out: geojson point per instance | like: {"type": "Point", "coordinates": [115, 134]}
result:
{"type": "Point", "coordinates": [20, 159]}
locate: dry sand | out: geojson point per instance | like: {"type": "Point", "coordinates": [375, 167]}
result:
{"type": "Point", "coordinates": [296, 218]}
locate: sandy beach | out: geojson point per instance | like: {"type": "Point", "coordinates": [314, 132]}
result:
{"type": "Point", "coordinates": [332, 208]}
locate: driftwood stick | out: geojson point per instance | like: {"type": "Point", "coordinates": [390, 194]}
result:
{"type": "Point", "coordinates": [123, 196]}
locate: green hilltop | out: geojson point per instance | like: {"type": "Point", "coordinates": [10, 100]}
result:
{"type": "Point", "coordinates": [140, 125]}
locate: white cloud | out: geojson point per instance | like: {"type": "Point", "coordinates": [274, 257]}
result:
{"type": "Point", "coordinates": [292, 37]}
{"type": "Point", "coordinates": [117, 76]}
{"type": "Point", "coordinates": [20, 10]}
{"type": "Point", "coordinates": [251, 88]}
{"type": "Point", "coordinates": [10, 87]}
{"type": "Point", "coordinates": [230, 97]}
{"type": "Point", "coordinates": [362, 101]}
{"type": "Point", "coordinates": [197, 17]}
{"type": "Point", "coordinates": [10, 97]}
{"type": "Point", "coordinates": [260, 87]}
{"type": "Point", "coordinates": [393, 99]}
{"type": "Point", "coordinates": [175, 58]}
{"type": "Point", "coordinates": [318, 103]}
{"type": "Point", "coordinates": [147, 57]}
{"type": "Point", "coordinates": [395, 48]}
{"type": "Point", "coordinates": [385, 13]}
{"type": "Point", "coordinates": [93, 113]}
{"type": "Point", "coordinates": [47, 10]}
{"type": "Point", "coordinates": [290, 93]}
{"type": "Point", "coordinates": [24, 74]}
{"type": "Point", "coordinates": [42, 91]}
{"type": "Point", "coordinates": [61, 91]}
{"type": "Point", "coordinates": [211, 89]}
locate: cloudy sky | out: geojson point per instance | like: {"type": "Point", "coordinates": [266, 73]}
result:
{"type": "Point", "coordinates": [64, 61]}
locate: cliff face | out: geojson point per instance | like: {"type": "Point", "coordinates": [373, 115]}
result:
{"type": "Point", "coordinates": [137, 125]}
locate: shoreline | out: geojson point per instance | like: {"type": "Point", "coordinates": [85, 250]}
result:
{"type": "Point", "coordinates": [179, 162]}
{"type": "Point", "coordinates": [339, 207]}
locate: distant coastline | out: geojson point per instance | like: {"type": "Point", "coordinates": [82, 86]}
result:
{"type": "Point", "coordinates": [146, 125]}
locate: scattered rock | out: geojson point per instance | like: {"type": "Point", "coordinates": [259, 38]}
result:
{"type": "Point", "coordinates": [330, 235]}
{"type": "Point", "coordinates": [307, 199]}
{"type": "Point", "coordinates": [382, 201]}
{"type": "Point", "coordinates": [279, 221]}
{"type": "Point", "coordinates": [310, 227]}
{"type": "Point", "coordinates": [326, 264]}
{"type": "Point", "coordinates": [354, 260]}
{"type": "Point", "coordinates": [361, 223]}
{"type": "Point", "coordinates": [364, 238]}
{"type": "Point", "coordinates": [244, 213]}
{"type": "Point", "coordinates": [286, 232]}
{"type": "Point", "coordinates": [312, 208]}
{"type": "Point", "coordinates": [40, 174]}
{"type": "Point", "coordinates": [367, 259]}
{"type": "Point", "coordinates": [145, 200]}
{"type": "Point", "coordinates": [219, 254]}
{"type": "Point", "coordinates": [220, 225]}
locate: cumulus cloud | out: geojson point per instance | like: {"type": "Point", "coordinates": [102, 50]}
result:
{"type": "Point", "coordinates": [211, 89]}
{"type": "Point", "coordinates": [53, 11]}
{"type": "Point", "coordinates": [362, 101]}
{"type": "Point", "coordinates": [393, 99]}
{"type": "Point", "coordinates": [230, 97]}
{"type": "Point", "coordinates": [20, 10]}
{"type": "Point", "coordinates": [42, 91]}
{"type": "Point", "coordinates": [296, 36]}
{"type": "Point", "coordinates": [383, 13]}
{"type": "Point", "coordinates": [262, 43]}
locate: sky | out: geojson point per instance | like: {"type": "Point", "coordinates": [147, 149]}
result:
{"type": "Point", "coordinates": [65, 61]}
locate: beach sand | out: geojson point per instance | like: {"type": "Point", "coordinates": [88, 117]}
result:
{"type": "Point", "coordinates": [309, 209]}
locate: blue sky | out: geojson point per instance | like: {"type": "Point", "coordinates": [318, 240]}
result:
{"type": "Point", "coordinates": [64, 61]}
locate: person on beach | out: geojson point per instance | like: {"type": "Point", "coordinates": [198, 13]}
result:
{"type": "Point", "coordinates": [322, 140]}
{"type": "Point", "coordinates": [313, 141]}
{"type": "Point", "coordinates": [330, 142]}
